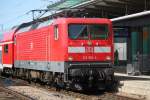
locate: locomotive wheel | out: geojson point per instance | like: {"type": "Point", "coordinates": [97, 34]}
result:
{"type": "Point", "coordinates": [29, 76]}
{"type": "Point", "coordinates": [111, 85]}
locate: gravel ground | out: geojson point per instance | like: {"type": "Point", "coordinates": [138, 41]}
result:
{"type": "Point", "coordinates": [40, 94]}
{"type": "Point", "coordinates": [34, 92]}
{"type": "Point", "coordinates": [4, 95]}
{"type": "Point", "coordinates": [7, 94]}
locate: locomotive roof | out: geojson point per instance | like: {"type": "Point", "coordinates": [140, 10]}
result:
{"type": "Point", "coordinates": [33, 25]}
{"type": "Point", "coordinates": [8, 36]}
{"type": "Point", "coordinates": [40, 23]}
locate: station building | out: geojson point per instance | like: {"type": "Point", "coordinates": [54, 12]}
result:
{"type": "Point", "coordinates": [131, 21]}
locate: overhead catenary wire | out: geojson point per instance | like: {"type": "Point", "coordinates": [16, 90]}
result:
{"type": "Point", "coordinates": [24, 16]}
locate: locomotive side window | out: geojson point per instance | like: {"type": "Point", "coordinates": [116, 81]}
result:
{"type": "Point", "coordinates": [6, 48]}
{"type": "Point", "coordinates": [88, 31]}
{"type": "Point", "coordinates": [56, 32]}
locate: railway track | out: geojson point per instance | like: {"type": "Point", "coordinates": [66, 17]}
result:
{"type": "Point", "coordinates": [61, 94]}
{"type": "Point", "coordinates": [9, 94]}
{"type": "Point", "coordinates": [101, 95]}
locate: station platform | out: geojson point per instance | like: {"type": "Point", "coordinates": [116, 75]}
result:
{"type": "Point", "coordinates": [137, 86]}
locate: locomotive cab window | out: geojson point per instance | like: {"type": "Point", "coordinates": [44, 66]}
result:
{"type": "Point", "coordinates": [56, 32]}
{"type": "Point", "coordinates": [88, 31]}
{"type": "Point", "coordinates": [6, 48]}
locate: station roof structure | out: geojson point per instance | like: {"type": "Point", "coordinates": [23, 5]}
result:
{"type": "Point", "coordinates": [100, 8]}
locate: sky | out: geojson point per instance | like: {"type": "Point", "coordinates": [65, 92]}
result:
{"type": "Point", "coordinates": [14, 12]}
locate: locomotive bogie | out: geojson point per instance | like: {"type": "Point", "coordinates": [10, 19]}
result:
{"type": "Point", "coordinates": [90, 75]}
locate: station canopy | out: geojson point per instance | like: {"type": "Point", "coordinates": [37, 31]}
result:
{"type": "Point", "coordinates": [66, 4]}
{"type": "Point", "coordinates": [100, 8]}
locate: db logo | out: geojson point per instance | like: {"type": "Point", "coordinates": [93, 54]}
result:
{"type": "Point", "coordinates": [89, 49]}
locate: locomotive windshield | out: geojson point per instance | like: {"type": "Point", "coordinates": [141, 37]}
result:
{"type": "Point", "coordinates": [88, 31]}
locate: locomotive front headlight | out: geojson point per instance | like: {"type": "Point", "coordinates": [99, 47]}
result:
{"type": "Point", "coordinates": [70, 58]}
{"type": "Point", "coordinates": [108, 58]}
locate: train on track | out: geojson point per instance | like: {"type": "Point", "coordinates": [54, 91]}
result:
{"type": "Point", "coordinates": [74, 53]}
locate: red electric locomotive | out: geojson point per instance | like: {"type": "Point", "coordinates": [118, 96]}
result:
{"type": "Point", "coordinates": [77, 52]}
